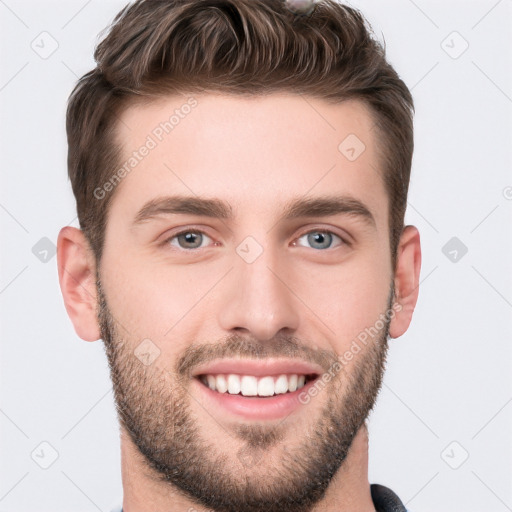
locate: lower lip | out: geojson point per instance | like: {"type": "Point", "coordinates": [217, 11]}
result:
{"type": "Point", "coordinates": [253, 407]}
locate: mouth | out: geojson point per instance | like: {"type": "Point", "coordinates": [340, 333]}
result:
{"type": "Point", "coordinates": [252, 385]}
{"type": "Point", "coordinates": [255, 390]}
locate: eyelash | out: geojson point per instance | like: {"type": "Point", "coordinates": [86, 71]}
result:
{"type": "Point", "coordinates": [199, 232]}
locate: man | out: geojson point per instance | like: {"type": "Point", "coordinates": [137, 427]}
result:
{"type": "Point", "coordinates": [241, 170]}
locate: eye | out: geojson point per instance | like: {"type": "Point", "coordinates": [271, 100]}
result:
{"type": "Point", "coordinates": [190, 239]}
{"type": "Point", "coordinates": [320, 239]}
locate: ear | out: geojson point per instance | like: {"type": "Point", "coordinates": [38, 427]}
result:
{"type": "Point", "coordinates": [77, 278]}
{"type": "Point", "coordinates": [407, 277]}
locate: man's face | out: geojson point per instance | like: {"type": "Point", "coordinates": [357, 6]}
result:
{"type": "Point", "coordinates": [287, 290]}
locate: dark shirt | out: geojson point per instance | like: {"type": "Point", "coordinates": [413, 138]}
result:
{"type": "Point", "coordinates": [385, 500]}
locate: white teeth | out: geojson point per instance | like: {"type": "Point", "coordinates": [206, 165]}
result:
{"type": "Point", "coordinates": [249, 385]}
{"type": "Point", "coordinates": [233, 384]}
{"type": "Point", "coordinates": [211, 381]}
{"type": "Point", "coordinates": [281, 385]}
{"type": "Point", "coordinates": [266, 386]}
{"type": "Point", "coordinates": [292, 383]}
{"type": "Point", "coordinates": [220, 384]}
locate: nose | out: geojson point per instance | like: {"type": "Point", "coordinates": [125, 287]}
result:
{"type": "Point", "coordinates": [257, 298]}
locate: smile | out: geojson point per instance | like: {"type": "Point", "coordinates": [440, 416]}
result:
{"type": "Point", "coordinates": [251, 385]}
{"type": "Point", "coordinates": [254, 389]}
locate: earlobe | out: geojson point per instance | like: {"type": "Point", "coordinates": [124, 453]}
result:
{"type": "Point", "coordinates": [77, 271]}
{"type": "Point", "coordinates": [406, 280]}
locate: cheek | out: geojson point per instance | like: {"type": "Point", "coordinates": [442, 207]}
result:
{"type": "Point", "coordinates": [156, 300]}
{"type": "Point", "coordinates": [151, 299]}
{"type": "Point", "coordinates": [347, 298]}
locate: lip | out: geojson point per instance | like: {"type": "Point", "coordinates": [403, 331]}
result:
{"type": "Point", "coordinates": [258, 367]}
{"type": "Point", "coordinates": [252, 407]}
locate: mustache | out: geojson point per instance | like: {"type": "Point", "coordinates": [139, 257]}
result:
{"type": "Point", "coordinates": [239, 346]}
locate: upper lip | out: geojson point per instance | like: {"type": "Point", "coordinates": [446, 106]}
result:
{"type": "Point", "coordinates": [258, 367]}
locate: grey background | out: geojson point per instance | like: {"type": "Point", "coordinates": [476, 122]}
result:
{"type": "Point", "coordinates": [447, 393]}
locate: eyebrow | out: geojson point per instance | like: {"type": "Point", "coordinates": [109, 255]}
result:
{"type": "Point", "coordinates": [323, 206]}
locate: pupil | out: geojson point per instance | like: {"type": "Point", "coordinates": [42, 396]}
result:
{"type": "Point", "coordinates": [321, 238]}
{"type": "Point", "coordinates": [191, 239]}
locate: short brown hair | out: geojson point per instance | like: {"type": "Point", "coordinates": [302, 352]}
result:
{"type": "Point", "coordinates": [247, 47]}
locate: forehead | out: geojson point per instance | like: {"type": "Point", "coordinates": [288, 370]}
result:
{"type": "Point", "coordinates": [256, 152]}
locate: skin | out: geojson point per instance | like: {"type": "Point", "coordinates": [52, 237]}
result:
{"type": "Point", "coordinates": [300, 297]}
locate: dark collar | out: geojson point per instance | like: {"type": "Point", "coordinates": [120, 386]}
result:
{"type": "Point", "coordinates": [385, 500]}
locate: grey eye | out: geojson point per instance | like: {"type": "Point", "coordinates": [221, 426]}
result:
{"type": "Point", "coordinates": [319, 239]}
{"type": "Point", "coordinates": [188, 239]}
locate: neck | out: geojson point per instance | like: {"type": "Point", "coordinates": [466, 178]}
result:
{"type": "Point", "coordinates": [349, 490]}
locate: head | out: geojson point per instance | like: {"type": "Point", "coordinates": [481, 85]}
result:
{"type": "Point", "coordinates": [285, 141]}
{"type": "Point", "coordinates": [238, 48]}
